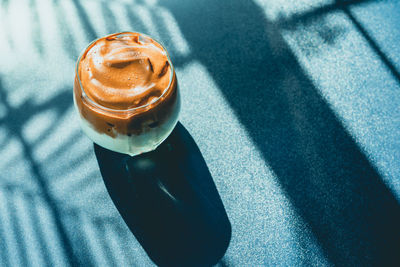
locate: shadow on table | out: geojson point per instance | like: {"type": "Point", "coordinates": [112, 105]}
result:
{"type": "Point", "coordinates": [329, 180]}
{"type": "Point", "coordinates": [169, 201]}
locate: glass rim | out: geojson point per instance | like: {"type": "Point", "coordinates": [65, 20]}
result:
{"type": "Point", "coordinates": [97, 105]}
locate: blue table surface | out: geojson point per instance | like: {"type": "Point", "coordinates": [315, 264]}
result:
{"type": "Point", "coordinates": [293, 104]}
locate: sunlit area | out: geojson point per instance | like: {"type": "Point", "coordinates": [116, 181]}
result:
{"type": "Point", "coordinates": [293, 105]}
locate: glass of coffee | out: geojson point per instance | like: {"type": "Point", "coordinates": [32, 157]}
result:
{"type": "Point", "coordinates": [126, 93]}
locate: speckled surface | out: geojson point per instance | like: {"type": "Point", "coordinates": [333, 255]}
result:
{"type": "Point", "coordinates": [293, 104]}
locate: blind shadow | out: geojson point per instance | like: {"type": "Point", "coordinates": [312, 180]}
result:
{"type": "Point", "coordinates": [65, 29]}
{"type": "Point", "coordinates": [16, 117]}
{"type": "Point", "coordinates": [169, 201]}
{"type": "Point", "coordinates": [86, 24]}
{"type": "Point", "coordinates": [18, 236]}
{"type": "Point", "coordinates": [344, 6]}
{"type": "Point", "coordinates": [328, 179]}
{"type": "Point", "coordinates": [372, 43]}
{"type": "Point", "coordinates": [36, 31]}
{"type": "Point", "coordinates": [44, 246]}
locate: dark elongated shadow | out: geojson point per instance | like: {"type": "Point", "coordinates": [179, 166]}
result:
{"type": "Point", "coordinates": [65, 145]}
{"type": "Point", "coordinates": [4, 4]}
{"type": "Point", "coordinates": [36, 30]}
{"type": "Point", "coordinates": [39, 231]}
{"type": "Point", "coordinates": [373, 44]}
{"type": "Point", "coordinates": [59, 103]}
{"type": "Point", "coordinates": [136, 24]}
{"type": "Point", "coordinates": [169, 201]}
{"type": "Point", "coordinates": [109, 18]}
{"type": "Point", "coordinates": [66, 34]}
{"type": "Point", "coordinates": [304, 17]}
{"type": "Point", "coordinates": [75, 162]}
{"type": "Point", "coordinates": [342, 5]}
{"type": "Point", "coordinates": [84, 18]}
{"type": "Point", "coordinates": [73, 223]}
{"type": "Point", "coordinates": [16, 224]}
{"type": "Point", "coordinates": [16, 117]}
{"type": "Point", "coordinates": [105, 242]}
{"type": "Point", "coordinates": [329, 180]}
{"type": "Point", "coordinates": [4, 258]}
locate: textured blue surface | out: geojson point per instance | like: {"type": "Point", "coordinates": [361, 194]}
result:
{"type": "Point", "coordinates": [293, 104]}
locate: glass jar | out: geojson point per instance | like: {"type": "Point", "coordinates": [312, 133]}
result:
{"type": "Point", "coordinates": [134, 130]}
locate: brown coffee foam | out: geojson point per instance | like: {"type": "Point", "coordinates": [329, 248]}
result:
{"type": "Point", "coordinates": [135, 112]}
{"type": "Point", "coordinates": [124, 72]}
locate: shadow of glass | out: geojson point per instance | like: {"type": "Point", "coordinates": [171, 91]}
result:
{"type": "Point", "coordinates": [169, 201]}
{"type": "Point", "coordinates": [328, 179]}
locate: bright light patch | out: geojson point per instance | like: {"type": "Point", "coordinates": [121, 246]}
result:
{"type": "Point", "coordinates": [36, 127]}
